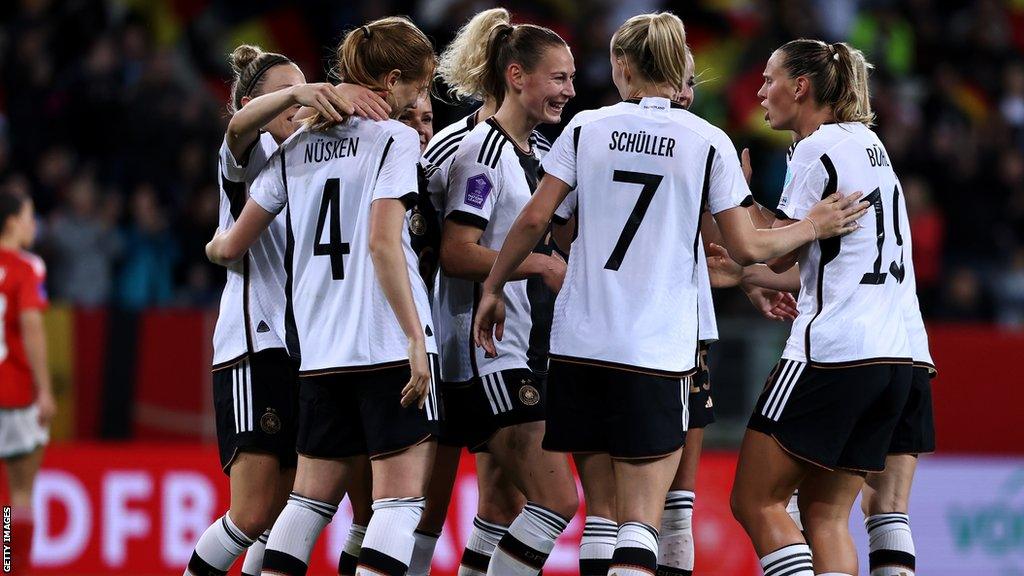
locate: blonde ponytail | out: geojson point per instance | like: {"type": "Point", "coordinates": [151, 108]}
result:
{"type": "Point", "coordinates": [463, 64]}
{"type": "Point", "coordinates": [837, 72]}
{"type": "Point", "coordinates": [655, 45]}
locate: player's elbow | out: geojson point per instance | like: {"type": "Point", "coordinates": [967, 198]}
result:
{"type": "Point", "coordinates": [744, 254]}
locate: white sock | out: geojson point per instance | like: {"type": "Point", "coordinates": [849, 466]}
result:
{"type": "Point", "coordinates": [349, 558]}
{"type": "Point", "coordinates": [891, 545]}
{"type": "Point", "coordinates": [675, 541]}
{"type": "Point", "coordinates": [387, 547]}
{"type": "Point", "coordinates": [218, 548]}
{"type": "Point", "coordinates": [480, 546]}
{"type": "Point", "coordinates": [794, 510]}
{"type": "Point", "coordinates": [530, 539]}
{"type": "Point", "coordinates": [792, 560]}
{"type": "Point", "coordinates": [295, 533]}
{"type": "Point", "coordinates": [422, 553]}
{"type": "Point", "coordinates": [253, 563]}
{"type": "Point", "coordinates": [597, 546]}
{"type": "Point", "coordinates": [636, 550]}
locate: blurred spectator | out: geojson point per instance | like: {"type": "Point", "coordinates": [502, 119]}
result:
{"type": "Point", "coordinates": [84, 243]}
{"type": "Point", "coordinates": [151, 252]}
{"type": "Point", "coordinates": [1009, 291]}
{"type": "Point", "coordinates": [129, 98]}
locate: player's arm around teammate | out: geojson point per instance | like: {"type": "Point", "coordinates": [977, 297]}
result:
{"type": "Point", "coordinates": [254, 379]}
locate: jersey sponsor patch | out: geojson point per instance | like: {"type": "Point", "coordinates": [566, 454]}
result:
{"type": "Point", "coordinates": [478, 188]}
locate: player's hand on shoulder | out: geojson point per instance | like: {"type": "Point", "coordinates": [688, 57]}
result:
{"type": "Point", "coordinates": [748, 171]}
{"type": "Point", "coordinates": [364, 102]}
{"type": "Point", "coordinates": [417, 388]}
{"type": "Point", "coordinates": [836, 215]}
{"type": "Point", "coordinates": [490, 321]}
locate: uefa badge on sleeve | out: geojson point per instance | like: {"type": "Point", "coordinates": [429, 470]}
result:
{"type": "Point", "coordinates": [478, 188]}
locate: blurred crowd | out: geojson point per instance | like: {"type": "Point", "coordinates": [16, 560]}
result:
{"type": "Point", "coordinates": [111, 114]}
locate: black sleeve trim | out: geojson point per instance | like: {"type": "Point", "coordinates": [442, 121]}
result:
{"type": "Point", "coordinates": [559, 220]}
{"type": "Point", "coordinates": [468, 219]}
{"type": "Point", "coordinates": [781, 215]}
{"type": "Point", "coordinates": [748, 201]}
{"type": "Point", "coordinates": [409, 200]}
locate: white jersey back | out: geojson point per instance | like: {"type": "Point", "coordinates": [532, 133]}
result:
{"type": "Point", "coordinates": [251, 315]}
{"type": "Point", "coordinates": [643, 170]}
{"type": "Point", "coordinates": [851, 298]}
{"type": "Point", "coordinates": [325, 181]}
{"type": "Point", "coordinates": [489, 181]}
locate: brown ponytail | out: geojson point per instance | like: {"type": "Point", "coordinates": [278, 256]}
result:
{"type": "Point", "coordinates": [523, 44]}
{"type": "Point", "coordinates": [839, 74]}
{"type": "Point", "coordinates": [250, 65]}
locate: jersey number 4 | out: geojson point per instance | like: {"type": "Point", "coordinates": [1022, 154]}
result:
{"type": "Point", "coordinates": [650, 183]}
{"type": "Point", "coordinates": [898, 271]}
{"type": "Point", "coordinates": [330, 208]}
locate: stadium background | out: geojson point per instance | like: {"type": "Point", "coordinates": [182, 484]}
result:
{"type": "Point", "coordinates": [110, 117]}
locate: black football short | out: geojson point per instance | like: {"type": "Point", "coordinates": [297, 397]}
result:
{"type": "Point", "coordinates": [475, 410]}
{"type": "Point", "coordinates": [355, 412]}
{"type": "Point", "coordinates": [700, 404]}
{"type": "Point", "coordinates": [255, 402]}
{"type": "Point", "coordinates": [834, 417]}
{"type": "Point", "coordinates": [915, 432]}
{"type": "Point", "coordinates": [624, 413]}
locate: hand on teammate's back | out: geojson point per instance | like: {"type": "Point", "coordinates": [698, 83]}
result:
{"type": "Point", "coordinates": [837, 215]}
{"type": "Point", "coordinates": [419, 380]}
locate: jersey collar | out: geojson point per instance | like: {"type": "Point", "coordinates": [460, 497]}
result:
{"type": "Point", "coordinates": [655, 102]}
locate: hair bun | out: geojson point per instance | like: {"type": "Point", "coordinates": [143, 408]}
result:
{"type": "Point", "coordinates": [243, 56]}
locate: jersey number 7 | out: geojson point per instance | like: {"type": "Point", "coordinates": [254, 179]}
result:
{"type": "Point", "coordinates": [330, 205]}
{"type": "Point", "coordinates": [650, 183]}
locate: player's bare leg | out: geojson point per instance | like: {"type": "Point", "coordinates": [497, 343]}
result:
{"type": "Point", "coordinates": [546, 480]}
{"type": "Point", "coordinates": [253, 562]}
{"type": "Point", "coordinates": [499, 501]}
{"type": "Point", "coordinates": [640, 488]}
{"type": "Point", "coordinates": [826, 498]}
{"type": "Point", "coordinates": [675, 542]}
{"type": "Point", "coordinates": [597, 476]}
{"type": "Point", "coordinates": [21, 476]}
{"type": "Point", "coordinates": [766, 477]}
{"type": "Point", "coordinates": [885, 501]}
{"type": "Point", "coordinates": [360, 496]}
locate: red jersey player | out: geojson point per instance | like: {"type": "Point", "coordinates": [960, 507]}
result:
{"type": "Point", "coordinates": [26, 399]}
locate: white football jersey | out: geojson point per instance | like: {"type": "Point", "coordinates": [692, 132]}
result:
{"type": "Point", "coordinates": [851, 298]}
{"type": "Point", "coordinates": [707, 326]}
{"type": "Point", "coordinates": [325, 181]}
{"type": "Point", "coordinates": [251, 315]}
{"type": "Point", "coordinates": [489, 181]}
{"type": "Point", "coordinates": [642, 170]}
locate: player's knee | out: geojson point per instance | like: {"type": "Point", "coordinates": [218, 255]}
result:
{"type": "Point", "coordinates": [253, 522]}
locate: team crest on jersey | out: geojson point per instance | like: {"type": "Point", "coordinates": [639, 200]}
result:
{"type": "Point", "coordinates": [270, 422]}
{"type": "Point", "coordinates": [478, 188]}
{"type": "Point", "coordinates": [417, 224]}
{"type": "Point", "coordinates": [528, 395]}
